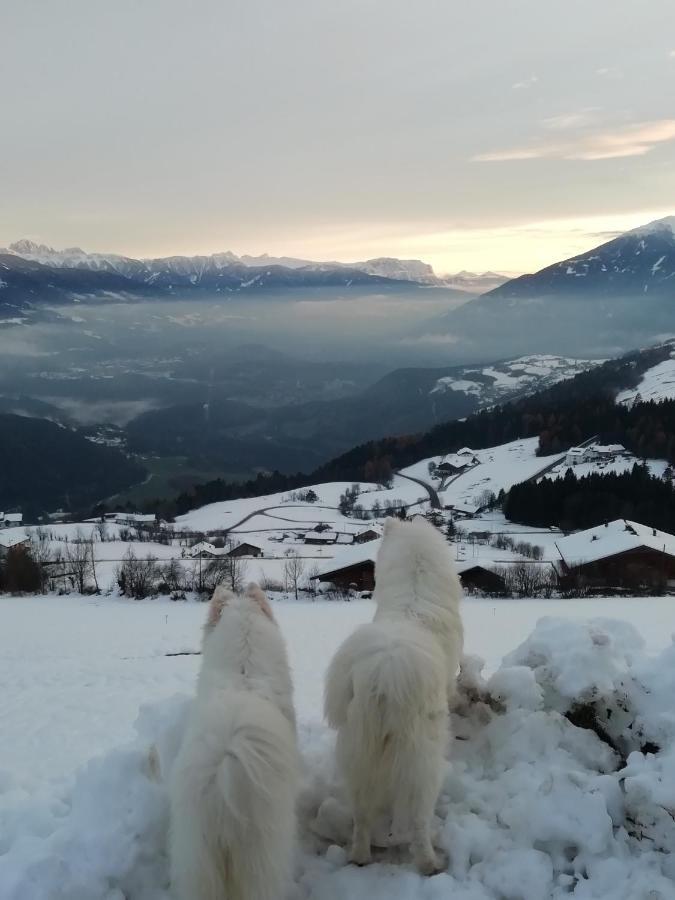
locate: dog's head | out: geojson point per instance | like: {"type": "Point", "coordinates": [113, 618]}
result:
{"type": "Point", "coordinates": [223, 596]}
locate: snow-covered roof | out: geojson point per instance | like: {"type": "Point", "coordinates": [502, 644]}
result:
{"type": "Point", "coordinates": [359, 553]}
{"type": "Point", "coordinates": [616, 537]}
{"type": "Point", "coordinates": [11, 517]}
{"type": "Point", "coordinates": [465, 451]}
{"type": "Point", "coordinates": [609, 448]}
{"type": "Point", "coordinates": [8, 542]}
{"type": "Point", "coordinates": [576, 451]}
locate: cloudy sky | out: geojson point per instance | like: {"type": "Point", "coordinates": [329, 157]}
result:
{"type": "Point", "coordinates": [499, 134]}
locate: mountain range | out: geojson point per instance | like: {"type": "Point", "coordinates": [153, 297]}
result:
{"type": "Point", "coordinates": [217, 272]}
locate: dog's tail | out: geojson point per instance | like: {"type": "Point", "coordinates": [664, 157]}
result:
{"type": "Point", "coordinates": [240, 808]}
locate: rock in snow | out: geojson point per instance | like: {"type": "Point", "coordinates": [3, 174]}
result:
{"type": "Point", "coordinates": [532, 807]}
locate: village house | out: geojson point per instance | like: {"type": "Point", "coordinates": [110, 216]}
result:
{"type": "Point", "coordinates": [206, 550]}
{"type": "Point", "coordinates": [10, 520]}
{"type": "Point", "coordinates": [595, 452]}
{"type": "Point", "coordinates": [618, 554]}
{"type": "Point", "coordinates": [243, 549]}
{"type": "Point", "coordinates": [127, 518]}
{"type": "Point", "coordinates": [370, 534]}
{"type": "Point", "coordinates": [454, 463]}
{"type": "Point", "coordinates": [8, 543]}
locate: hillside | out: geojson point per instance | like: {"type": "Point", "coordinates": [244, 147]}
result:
{"type": "Point", "coordinates": [44, 466]}
{"type": "Point", "coordinates": [290, 437]}
{"type": "Point", "coordinates": [614, 296]}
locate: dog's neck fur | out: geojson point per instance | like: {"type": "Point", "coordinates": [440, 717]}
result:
{"type": "Point", "coordinates": [417, 584]}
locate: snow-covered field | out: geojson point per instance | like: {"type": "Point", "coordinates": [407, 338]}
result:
{"type": "Point", "coordinates": [532, 806]}
{"type": "Point", "coordinates": [499, 468]}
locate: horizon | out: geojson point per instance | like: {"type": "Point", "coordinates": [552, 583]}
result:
{"type": "Point", "coordinates": [579, 238]}
{"type": "Point", "coordinates": [329, 131]}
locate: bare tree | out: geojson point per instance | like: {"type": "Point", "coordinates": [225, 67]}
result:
{"type": "Point", "coordinates": [294, 568]}
{"type": "Point", "coordinates": [41, 553]}
{"type": "Point", "coordinates": [138, 577]}
{"type": "Point", "coordinates": [79, 557]}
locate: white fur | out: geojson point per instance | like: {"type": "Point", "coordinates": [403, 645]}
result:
{"type": "Point", "coordinates": [234, 783]}
{"type": "Point", "coordinates": [389, 686]}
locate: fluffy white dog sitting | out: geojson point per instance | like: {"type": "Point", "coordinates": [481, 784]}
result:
{"type": "Point", "coordinates": [234, 782]}
{"type": "Point", "coordinates": [389, 686]}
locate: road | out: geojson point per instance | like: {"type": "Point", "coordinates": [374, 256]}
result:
{"type": "Point", "coordinates": [434, 499]}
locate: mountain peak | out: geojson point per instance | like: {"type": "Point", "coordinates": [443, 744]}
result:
{"type": "Point", "coordinates": [667, 225]}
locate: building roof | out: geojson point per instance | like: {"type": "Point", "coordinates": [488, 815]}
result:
{"type": "Point", "coordinates": [8, 542]}
{"type": "Point", "coordinates": [608, 448]}
{"type": "Point", "coordinates": [616, 537]}
{"type": "Point", "coordinates": [576, 451]}
{"type": "Point", "coordinates": [353, 556]}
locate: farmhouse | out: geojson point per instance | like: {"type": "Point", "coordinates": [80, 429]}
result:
{"type": "Point", "coordinates": [7, 543]}
{"type": "Point", "coordinates": [619, 554]}
{"type": "Point", "coordinates": [477, 577]}
{"type": "Point", "coordinates": [206, 550]}
{"type": "Point", "coordinates": [370, 534]}
{"type": "Point", "coordinates": [10, 520]}
{"type": "Point", "coordinates": [242, 549]}
{"type": "Point", "coordinates": [576, 455]}
{"type": "Point", "coordinates": [353, 568]}
{"type": "Point", "coordinates": [127, 518]}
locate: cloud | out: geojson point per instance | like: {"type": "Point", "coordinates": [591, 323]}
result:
{"type": "Point", "coordinates": [630, 140]}
{"type": "Point", "coordinates": [571, 120]}
{"type": "Point", "coordinates": [526, 83]}
{"type": "Point", "coordinates": [609, 72]}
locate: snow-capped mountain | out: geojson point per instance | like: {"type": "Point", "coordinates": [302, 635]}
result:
{"type": "Point", "coordinates": [640, 261]}
{"type": "Point", "coordinates": [413, 270]}
{"type": "Point", "coordinates": [615, 297]}
{"type": "Point", "coordinates": [475, 282]}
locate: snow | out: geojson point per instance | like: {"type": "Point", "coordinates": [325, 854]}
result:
{"type": "Point", "coordinates": [618, 536]}
{"type": "Point", "coordinates": [531, 807]}
{"type": "Point", "coordinates": [457, 384]}
{"type": "Point", "coordinates": [524, 373]}
{"type": "Point", "coordinates": [657, 383]}
{"type": "Point", "coordinates": [498, 467]}
{"type": "Point", "coordinates": [617, 466]}
{"type": "Point", "coordinates": [665, 225]}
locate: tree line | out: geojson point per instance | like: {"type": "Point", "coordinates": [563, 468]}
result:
{"type": "Point", "coordinates": [572, 503]}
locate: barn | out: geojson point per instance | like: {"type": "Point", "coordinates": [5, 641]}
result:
{"type": "Point", "coordinates": [619, 555]}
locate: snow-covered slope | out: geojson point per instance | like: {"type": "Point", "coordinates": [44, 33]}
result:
{"type": "Point", "coordinates": [525, 374]}
{"type": "Point", "coordinates": [657, 383]}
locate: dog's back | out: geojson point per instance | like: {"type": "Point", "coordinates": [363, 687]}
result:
{"type": "Point", "coordinates": [388, 688]}
{"type": "Point", "coordinates": [234, 781]}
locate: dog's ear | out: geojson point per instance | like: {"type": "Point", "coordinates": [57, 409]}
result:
{"type": "Point", "coordinates": [219, 600]}
{"type": "Point", "coordinates": [256, 593]}
{"type": "Point", "coordinates": [390, 524]}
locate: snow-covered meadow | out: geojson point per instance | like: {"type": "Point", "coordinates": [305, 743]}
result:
{"type": "Point", "coordinates": [532, 806]}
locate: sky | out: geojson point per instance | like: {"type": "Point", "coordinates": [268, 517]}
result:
{"type": "Point", "coordinates": [484, 135]}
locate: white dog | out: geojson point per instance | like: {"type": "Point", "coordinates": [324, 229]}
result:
{"type": "Point", "coordinates": [389, 686]}
{"type": "Point", "coordinates": [234, 782]}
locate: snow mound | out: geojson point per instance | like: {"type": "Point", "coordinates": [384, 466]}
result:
{"type": "Point", "coordinates": [561, 784]}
